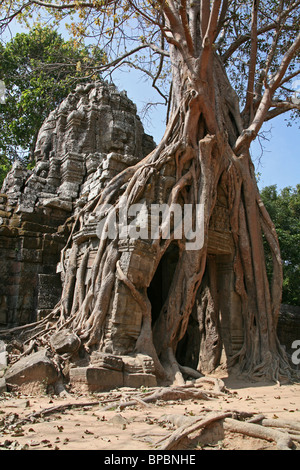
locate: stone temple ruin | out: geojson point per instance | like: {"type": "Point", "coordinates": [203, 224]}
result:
{"type": "Point", "coordinates": [94, 134]}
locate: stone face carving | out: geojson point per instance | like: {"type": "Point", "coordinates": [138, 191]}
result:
{"type": "Point", "coordinates": [88, 139]}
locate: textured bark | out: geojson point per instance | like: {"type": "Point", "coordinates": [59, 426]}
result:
{"type": "Point", "coordinates": [200, 139]}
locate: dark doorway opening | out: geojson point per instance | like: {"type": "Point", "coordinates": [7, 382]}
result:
{"type": "Point", "coordinates": [160, 285]}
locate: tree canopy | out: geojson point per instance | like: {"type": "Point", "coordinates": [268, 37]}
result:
{"type": "Point", "coordinates": [257, 41]}
{"type": "Point", "coordinates": [39, 69]}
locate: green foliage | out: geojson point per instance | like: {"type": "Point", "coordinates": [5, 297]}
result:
{"type": "Point", "coordinates": [284, 210]}
{"type": "Point", "coordinates": [39, 69]}
{"type": "Point", "coordinates": [5, 166]}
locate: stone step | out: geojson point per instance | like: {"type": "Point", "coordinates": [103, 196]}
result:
{"type": "Point", "coordinates": [100, 379]}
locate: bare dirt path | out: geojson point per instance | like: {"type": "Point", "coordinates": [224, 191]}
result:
{"type": "Point", "coordinates": [91, 426]}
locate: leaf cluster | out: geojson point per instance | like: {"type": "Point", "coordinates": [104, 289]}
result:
{"type": "Point", "coordinates": [258, 42]}
{"type": "Point", "coordinates": [39, 69]}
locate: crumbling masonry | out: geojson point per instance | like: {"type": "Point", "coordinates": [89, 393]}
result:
{"type": "Point", "coordinates": [94, 134]}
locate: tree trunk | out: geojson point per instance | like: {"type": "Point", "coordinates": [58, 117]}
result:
{"type": "Point", "coordinates": [196, 155]}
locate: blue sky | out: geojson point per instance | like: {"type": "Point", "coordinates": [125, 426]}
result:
{"type": "Point", "coordinates": [280, 162]}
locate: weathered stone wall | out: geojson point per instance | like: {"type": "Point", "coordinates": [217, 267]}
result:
{"type": "Point", "coordinates": [91, 136]}
{"type": "Point", "coordinates": [29, 251]}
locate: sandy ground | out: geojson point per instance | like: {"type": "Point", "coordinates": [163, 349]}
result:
{"type": "Point", "coordinates": [138, 427]}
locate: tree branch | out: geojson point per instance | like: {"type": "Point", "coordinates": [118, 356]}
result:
{"type": "Point", "coordinates": [264, 29]}
{"type": "Point", "coordinates": [273, 47]}
{"type": "Point", "coordinates": [8, 19]}
{"type": "Point", "coordinates": [204, 17]}
{"type": "Point", "coordinates": [272, 51]}
{"type": "Point", "coordinates": [143, 14]}
{"type": "Point", "coordinates": [159, 72]}
{"type": "Point", "coordinates": [252, 66]}
{"type": "Point", "coordinates": [289, 77]}
{"type": "Point", "coordinates": [251, 132]}
{"type": "Point", "coordinates": [121, 58]}
{"type": "Point", "coordinates": [64, 6]}
{"type": "Point", "coordinates": [278, 76]}
{"type": "Point", "coordinates": [208, 39]}
{"type": "Point", "coordinates": [147, 72]}
{"type": "Point", "coordinates": [280, 107]}
{"type": "Point", "coordinates": [185, 24]}
{"type": "Point", "coordinates": [222, 16]}
{"type": "Point", "coordinates": [157, 49]}
{"type": "Point", "coordinates": [211, 31]}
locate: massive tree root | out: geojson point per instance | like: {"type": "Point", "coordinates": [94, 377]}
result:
{"type": "Point", "coordinates": [233, 422]}
{"type": "Point", "coordinates": [198, 148]}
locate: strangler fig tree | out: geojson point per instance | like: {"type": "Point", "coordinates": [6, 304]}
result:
{"type": "Point", "coordinates": [232, 66]}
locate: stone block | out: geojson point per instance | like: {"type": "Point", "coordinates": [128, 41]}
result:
{"type": "Point", "coordinates": [97, 174]}
{"type": "Point", "coordinates": [220, 243]}
{"type": "Point", "coordinates": [68, 189]}
{"type": "Point", "coordinates": [25, 207]}
{"type": "Point", "coordinates": [32, 243]}
{"type": "Point", "coordinates": [96, 379]}
{"type": "Point", "coordinates": [139, 380]}
{"type": "Point", "coordinates": [114, 161]}
{"type": "Point", "coordinates": [3, 388]}
{"type": "Point", "coordinates": [147, 363]}
{"type": "Point", "coordinates": [132, 365]}
{"type": "Point", "coordinates": [65, 341]}
{"type": "Point", "coordinates": [139, 363]}
{"type": "Point", "coordinates": [93, 193]}
{"type": "Point", "coordinates": [36, 227]}
{"type": "Point", "coordinates": [288, 329]}
{"type": "Point", "coordinates": [49, 290]}
{"type": "Point", "coordinates": [5, 232]}
{"type": "Point", "coordinates": [3, 360]}
{"type": "Point", "coordinates": [36, 367]}
{"type": "Point", "coordinates": [4, 214]}
{"type": "Point", "coordinates": [58, 203]}
{"type": "Point", "coordinates": [3, 355]}
{"type": "Point", "coordinates": [138, 264]}
{"type": "Point", "coordinates": [32, 256]}
{"type": "Point", "coordinates": [93, 185]}
{"type": "Point", "coordinates": [92, 162]}
{"type": "Point", "coordinates": [108, 361]}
